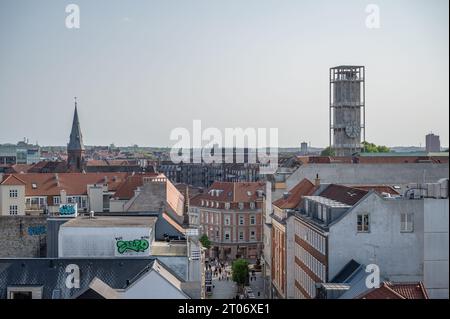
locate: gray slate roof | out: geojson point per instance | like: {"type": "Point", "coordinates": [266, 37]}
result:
{"type": "Point", "coordinates": [50, 273]}
{"type": "Point", "coordinates": [76, 138]}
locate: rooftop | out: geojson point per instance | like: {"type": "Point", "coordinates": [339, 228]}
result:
{"type": "Point", "coordinates": [104, 221]}
{"type": "Point", "coordinates": [295, 195]}
{"type": "Point", "coordinates": [328, 202]}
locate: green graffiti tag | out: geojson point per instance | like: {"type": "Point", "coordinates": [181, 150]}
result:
{"type": "Point", "coordinates": [137, 245]}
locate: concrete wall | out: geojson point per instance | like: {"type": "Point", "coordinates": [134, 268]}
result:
{"type": "Point", "coordinates": [399, 255]}
{"type": "Point", "coordinates": [98, 241]}
{"type": "Point", "coordinates": [117, 205]}
{"type": "Point", "coordinates": [290, 261]}
{"type": "Point", "coordinates": [22, 236]}
{"type": "Point", "coordinates": [95, 196]}
{"type": "Point", "coordinates": [436, 248]}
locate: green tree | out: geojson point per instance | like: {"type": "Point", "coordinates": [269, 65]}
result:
{"type": "Point", "coordinates": [240, 271]}
{"type": "Point", "coordinates": [328, 152]}
{"type": "Point", "coordinates": [372, 148]}
{"type": "Point", "coordinates": [205, 241]}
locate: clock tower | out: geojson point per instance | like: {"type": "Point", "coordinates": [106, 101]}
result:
{"type": "Point", "coordinates": [347, 109]}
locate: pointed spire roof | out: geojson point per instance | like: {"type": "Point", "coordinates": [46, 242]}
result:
{"type": "Point", "coordinates": [76, 138]}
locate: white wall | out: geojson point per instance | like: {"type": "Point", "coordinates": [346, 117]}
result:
{"type": "Point", "coordinates": [95, 195]}
{"type": "Point", "coordinates": [436, 247]}
{"type": "Point", "coordinates": [6, 201]}
{"type": "Point", "coordinates": [398, 255]}
{"type": "Point", "coordinates": [117, 205]}
{"type": "Point", "coordinates": [98, 241]}
{"type": "Point", "coordinates": [153, 286]}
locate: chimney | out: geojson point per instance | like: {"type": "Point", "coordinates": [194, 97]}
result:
{"type": "Point", "coordinates": [317, 180]}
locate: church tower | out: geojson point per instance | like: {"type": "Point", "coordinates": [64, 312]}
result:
{"type": "Point", "coordinates": [75, 148]}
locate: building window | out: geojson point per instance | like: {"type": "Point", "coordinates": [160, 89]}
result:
{"type": "Point", "coordinates": [227, 220]}
{"type": "Point", "coordinates": [252, 235]}
{"type": "Point", "coordinates": [241, 220]}
{"type": "Point", "coordinates": [252, 205]}
{"type": "Point", "coordinates": [319, 212]}
{"type": "Point", "coordinates": [363, 223]}
{"type": "Point", "coordinates": [252, 220]}
{"type": "Point", "coordinates": [24, 292]}
{"type": "Point", "coordinates": [406, 222]}
{"type": "Point", "coordinates": [241, 205]}
{"type": "Point", "coordinates": [56, 200]}
{"type": "Point", "coordinates": [13, 209]}
{"type": "Point", "coordinates": [13, 193]}
{"type": "Point", "coordinates": [241, 235]}
{"type": "Point", "coordinates": [227, 235]}
{"type": "Point", "coordinates": [227, 205]}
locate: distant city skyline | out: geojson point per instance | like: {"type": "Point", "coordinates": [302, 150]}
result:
{"type": "Point", "coordinates": [141, 69]}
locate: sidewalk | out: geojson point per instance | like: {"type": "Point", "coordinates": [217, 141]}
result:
{"type": "Point", "coordinates": [223, 289]}
{"type": "Point", "coordinates": [258, 286]}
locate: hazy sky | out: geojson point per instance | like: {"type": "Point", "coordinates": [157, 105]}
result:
{"type": "Point", "coordinates": [141, 68]}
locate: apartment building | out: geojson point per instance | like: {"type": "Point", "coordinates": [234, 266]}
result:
{"type": "Point", "coordinates": [42, 193]}
{"type": "Point", "coordinates": [230, 214]}
{"type": "Point", "coordinates": [370, 225]}
{"type": "Point", "coordinates": [281, 246]}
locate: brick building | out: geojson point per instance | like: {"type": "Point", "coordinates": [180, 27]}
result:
{"type": "Point", "coordinates": [230, 214]}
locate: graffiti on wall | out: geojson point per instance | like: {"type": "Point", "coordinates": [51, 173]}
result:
{"type": "Point", "coordinates": [136, 245]}
{"type": "Point", "coordinates": [37, 230]}
{"type": "Point", "coordinates": [68, 210]}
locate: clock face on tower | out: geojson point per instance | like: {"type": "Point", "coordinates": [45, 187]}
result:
{"type": "Point", "coordinates": [352, 130]}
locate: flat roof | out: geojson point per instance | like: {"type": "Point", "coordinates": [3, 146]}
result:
{"type": "Point", "coordinates": [327, 201]}
{"type": "Point", "coordinates": [107, 221]}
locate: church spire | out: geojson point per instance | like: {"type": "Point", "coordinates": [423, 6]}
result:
{"type": "Point", "coordinates": [76, 138]}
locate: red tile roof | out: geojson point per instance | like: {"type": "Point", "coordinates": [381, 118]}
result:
{"type": "Point", "coordinates": [12, 180]}
{"type": "Point", "coordinates": [111, 163]}
{"type": "Point", "coordinates": [230, 192]}
{"type": "Point", "coordinates": [390, 290]}
{"type": "Point", "coordinates": [378, 188]}
{"type": "Point", "coordinates": [126, 189]}
{"type": "Point", "coordinates": [304, 188]}
{"type": "Point", "coordinates": [20, 168]}
{"type": "Point", "coordinates": [410, 290]}
{"type": "Point", "coordinates": [343, 194]}
{"type": "Point", "coordinates": [48, 184]}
